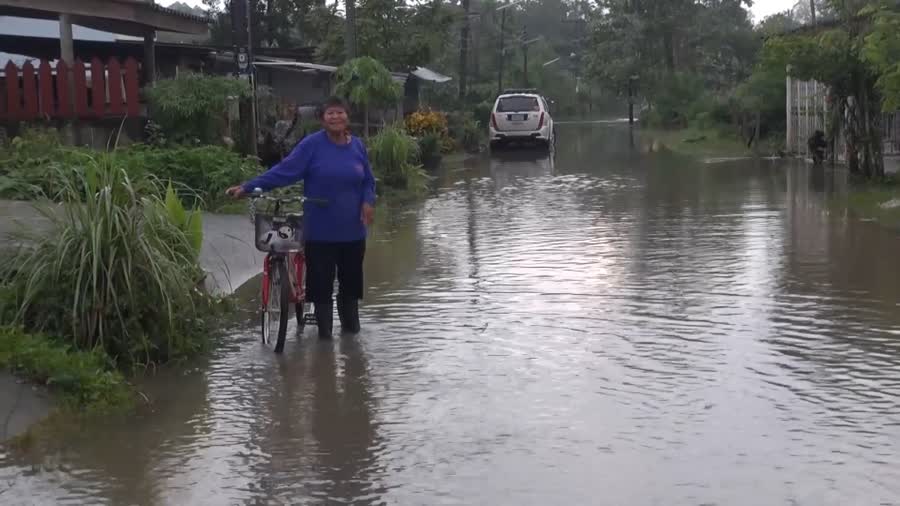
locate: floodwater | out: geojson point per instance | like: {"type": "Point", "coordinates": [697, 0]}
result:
{"type": "Point", "coordinates": [601, 328]}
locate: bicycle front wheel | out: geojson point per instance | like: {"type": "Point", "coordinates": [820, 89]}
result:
{"type": "Point", "coordinates": [276, 311]}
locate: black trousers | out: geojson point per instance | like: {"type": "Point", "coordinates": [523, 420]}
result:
{"type": "Point", "coordinates": [324, 260]}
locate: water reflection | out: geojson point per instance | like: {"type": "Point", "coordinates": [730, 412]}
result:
{"type": "Point", "coordinates": [553, 329]}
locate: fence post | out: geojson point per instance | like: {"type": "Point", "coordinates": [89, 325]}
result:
{"type": "Point", "coordinates": [45, 83]}
{"type": "Point", "coordinates": [64, 89]}
{"type": "Point", "coordinates": [114, 69]}
{"type": "Point", "coordinates": [80, 99]}
{"type": "Point", "coordinates": [98, 87]}
{"type": "Point", "coordinates": [789, 133]}
{"type": "Point", "coordinates": [132, 88]}
{"type": "Point", "coordinates": [13, 107]}
{"type": "Point", "coordinates": [29, 92]}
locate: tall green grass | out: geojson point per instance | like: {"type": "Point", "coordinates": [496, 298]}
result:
{"type": "Point", "coordinates": [394, 157]}
{"type": "Point", "coordinates": [30, 165]}
{"type": "Point", "coordinates": [117, 268]}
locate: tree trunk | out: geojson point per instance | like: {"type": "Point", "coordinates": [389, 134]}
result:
{"type": "Point", "coordinates": [873, 160]}
{"type": "Point", "coordinates": [754, 141]}
{"type": "Point", "coordinates": [464, 51]}
{"type": "Point", "coordinates": [669, 47]}
{"type": "Point", "coordinates": [476, 47]}
{"type": "Point", "coordinates": [812, 11]}
{"type": "Point", "coordinates": [852, 136]}
{"type": "Point", "coordinates": [366, 122]}
{"type": "Point", "coordinates": [350, 35]}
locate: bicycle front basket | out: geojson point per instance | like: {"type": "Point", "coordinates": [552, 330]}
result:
{"type": "Point", "coordinates": [278, 234]}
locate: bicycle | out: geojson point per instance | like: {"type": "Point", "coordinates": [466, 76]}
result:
{"type": "Point", "coordinates": [280, 236]}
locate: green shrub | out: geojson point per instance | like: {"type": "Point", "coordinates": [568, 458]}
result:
{"type": "Point", "coordinates": [393, 156]}
{"type": "Point", "coordinates": [85, 379]}
{"type": "Point", "coordinates": [191, 108]}
{"type": "Point", "coordinates": [27, 167]}
{"type": "Point", "coordinates": [430, 149]}
{"type": "Point", "coordinates": [206, 171]}
{"type": "Point", "coordinates": [481, 112]}
{"type": "Point", "coordinates": [466, 131]}
{"type": "Point", "coordinates": [32, 165]}
{"type": "Point", "coordinates": [673, 101]}
{"type": "Point", "coordinates": [114, 270]}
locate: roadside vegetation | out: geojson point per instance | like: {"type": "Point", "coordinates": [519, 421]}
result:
{"type": "Point", "coordinates": [84, 380]}
{"type": "Point", "coordinates": [111, 284]}
{"type": "Point", "coordinates": [876, 200]}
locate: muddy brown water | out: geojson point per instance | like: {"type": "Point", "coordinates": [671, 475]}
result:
{"type": "Point", "coordinates": [600, 328]}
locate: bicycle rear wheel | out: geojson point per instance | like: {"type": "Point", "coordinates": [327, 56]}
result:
{"type": "Point", "coordinates": [275, 312]}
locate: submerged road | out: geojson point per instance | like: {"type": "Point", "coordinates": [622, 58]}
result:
{"type": "Point", "coordinates": [600, 328]}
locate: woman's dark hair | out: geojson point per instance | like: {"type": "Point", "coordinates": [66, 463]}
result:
{"type": "Point", "coordinates": [332, 102]}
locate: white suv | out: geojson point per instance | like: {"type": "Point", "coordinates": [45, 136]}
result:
{"type": "Point", "coordinates": [522, 116]}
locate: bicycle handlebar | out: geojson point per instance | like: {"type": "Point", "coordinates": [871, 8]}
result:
{"type": "Point", "coordinates": [257, 194]}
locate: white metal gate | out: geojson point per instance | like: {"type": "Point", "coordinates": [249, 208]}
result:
{"type": "Point", "coordinates": [808, 110]}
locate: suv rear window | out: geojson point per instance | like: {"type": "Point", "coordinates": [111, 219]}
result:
{"type": "Point", "coordinates": [518, 104]}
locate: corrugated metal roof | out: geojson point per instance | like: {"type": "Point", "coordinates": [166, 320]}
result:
{"type": "Point", "coordinates": [180, 13]}
{"type": "Point", "coordinates": [269, 62]}
{"type": "Point", "coordinates": [430, 75]}
{"type": "Point", "coordinates": [49, 29]}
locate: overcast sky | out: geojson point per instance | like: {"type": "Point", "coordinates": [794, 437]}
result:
{"type": "Point", "coordinates": [761, 8]}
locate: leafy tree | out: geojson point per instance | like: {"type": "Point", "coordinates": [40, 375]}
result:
{"type": "Point", "coordinates": [658, 41]}
{"type": "Point", "coordinates": [778, 24]}
{"type": "Point", "coordinates": [367, 83]}
{"type": "Point", "coordinates": [281, 23]}
{"type": "Point", "coordinates": [190, 107]}
{"type": "Point", "coordinates": [856, 57]}
{"type": "Point", "coordinates": [807, 12]}
{"type": "Point", "coordinates": [881, 50]}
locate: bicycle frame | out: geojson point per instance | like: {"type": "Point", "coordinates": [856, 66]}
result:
{"type": "Point", "coordinates": [298, 285]}
{"type": "Point", "coordinates": [277, 234]}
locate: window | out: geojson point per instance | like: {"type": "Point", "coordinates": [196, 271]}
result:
{"type": "Point", "coordinates": [518, 104]}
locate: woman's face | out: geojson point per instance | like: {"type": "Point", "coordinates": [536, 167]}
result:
{"type": "Point", "coordinates": [335, 119]}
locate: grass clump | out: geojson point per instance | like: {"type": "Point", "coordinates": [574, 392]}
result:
{"type": "Point", "coordinates": [85, 380]}
{"type": "Point", "coordinates": [394, 156]}
{"type": "Point", "coordinates": [31, 167]}
{"type": "Point", "coordinates": [116, 270]}
{"type": "Point", "coordinates": [879, 201]}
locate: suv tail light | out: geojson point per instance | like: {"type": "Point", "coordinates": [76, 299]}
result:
{"type": "Point", "coordinates": [494, 121]}
{"type": "Point", "coordinates": [541, 122]}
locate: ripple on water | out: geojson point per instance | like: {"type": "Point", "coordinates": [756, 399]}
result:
{"type": "Point", "coordinates": [643, 335]}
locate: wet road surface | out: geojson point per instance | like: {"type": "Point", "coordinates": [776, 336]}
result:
{"type": "Point", "coordinates": [602, 328]}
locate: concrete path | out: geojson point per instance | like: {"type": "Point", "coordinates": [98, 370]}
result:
{"type": "Point", "coordinates": [21, 405]}
{"type": "Point", "coordinates": [227, 255]}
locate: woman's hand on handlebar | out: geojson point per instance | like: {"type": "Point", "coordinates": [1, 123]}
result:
{"type": "Point", "coordinates": [236, 192]}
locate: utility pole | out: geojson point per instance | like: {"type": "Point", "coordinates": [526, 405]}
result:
{"type": "Point", "coordinates": [241, 26]}
{"type": "Point", "coordinates": [464, 51]}
{"type": "Point", "coordinates": [631, 100]}
{"type": "Point", "coordinates": [500, 59]}
{"type": "Point", "coordinates": [525, 54]}
{"type": "Point", "coordinates": [812, 11]}
{"type": "Point", "coordinates": [350, 36]}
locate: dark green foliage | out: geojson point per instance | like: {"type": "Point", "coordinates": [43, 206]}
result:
{"type": "Point", "coordinates": [114, 270]}
{"type": "Point", "coordinates": [394, 155]}
{"type": "Point", "coordinates": [85, 379]}
{"type": "Point", "coordinates": [192, 108]}
{"type": "Point", "coordinates": [465, 131]}
{"type": "Point", "coordinates": [203, 172]}
{"type": "Point", "coordinates": [33, 163]}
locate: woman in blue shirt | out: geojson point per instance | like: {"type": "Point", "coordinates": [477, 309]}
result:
{"type": "Point", "coordinates": [334, 167]}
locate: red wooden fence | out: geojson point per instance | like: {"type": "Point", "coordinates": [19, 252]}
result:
{"type": "Point", "coordinates": [100, 90]}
